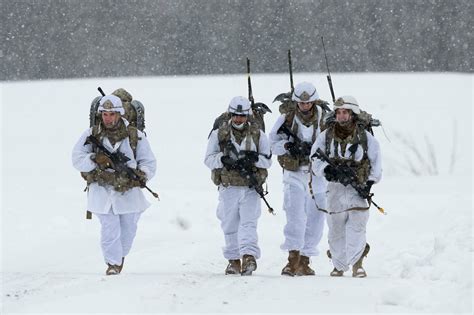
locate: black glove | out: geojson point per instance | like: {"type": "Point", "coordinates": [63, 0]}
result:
{"type": "Point", "coordinates": [365, 191]}
{"type": "Point", "coordinates": [330, 173]}
{"type": "Point", "coordinates": [247, 162]}
{"type": "Point", "coordinates": [251, 156]}
{"type": "Point", "coordinates": [293, 148]}
{"type": "Point", "coordinates": [228, 162]}
{"type": "Point", "coordinates": [344, 175]}
{"type": "Point", "coordinates": [299, 150]}
{"type": "Point", "coordinates": [306, 148]}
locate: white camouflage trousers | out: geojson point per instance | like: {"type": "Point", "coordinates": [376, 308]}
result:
{"type": "Point", "coordinates": [238, 210]}
{"type": "Point", "coordinates": [304, 223]}
{"type": "Point", "coordinates": [347, 237]}
{"type": "Point", "coordinates": [117, 235]}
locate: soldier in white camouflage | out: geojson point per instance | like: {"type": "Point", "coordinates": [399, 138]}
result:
{"type": "Point", "coordinates": [355, 159]}
{"type": "Point", "coordinates": [236, 151]}
{"type": "Point", "coordinates": [114, 196]}
{"type": "Point", "coordinates": [291, 139]}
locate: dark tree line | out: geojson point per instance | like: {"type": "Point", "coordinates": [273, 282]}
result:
{"type": "Point", "coordinates": [69, 38]}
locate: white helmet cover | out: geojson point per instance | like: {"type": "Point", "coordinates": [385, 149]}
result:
{"type": "Point", "coordinates": [305, 92]}
{"type": "Point", "coordinates": [239, 105]}
{"type": "Point", "coordinates": [347, 102]}
{"type": "Point", "coordinates": [111, 103]}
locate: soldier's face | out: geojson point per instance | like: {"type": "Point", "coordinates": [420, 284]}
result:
{"type": "Point", "coordinates": [239, 119]}
{"type": "Point", "coordinates": [110, 119]}
{"type": "Point", "coordinates": [305, 106]}
{"type": "Point", "coordinates": [343, 115]}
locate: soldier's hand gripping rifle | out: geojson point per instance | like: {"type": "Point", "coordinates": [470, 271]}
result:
{"type": "Point", "coordinates": [283, 128]}
{"type": "Point", "coordinates": [119, 161]}
{"type": "Point", "coordinates": [348, 175]}
{"type": "Point", "coordinates": [248, 172]}
{"type": "Point", "coordinates": [305, 147]}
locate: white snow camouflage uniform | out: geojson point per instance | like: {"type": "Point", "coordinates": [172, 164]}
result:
{"type": "Point", "coordinates": [305, 224]}
{"type": "Point", "coordinates": [239, 207]}
{"type": "Point", "coordinates": [118, 212]}
{"type": "Point", "coordinates": [347, 229]}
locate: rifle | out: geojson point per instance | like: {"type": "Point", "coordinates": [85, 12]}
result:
{"type": "Point", "coordinates": [290, 66]}
{"type": "Point", "coordinates": [287, 96]}
{"type": "Point", "coordinates": [119, 161]}
{"type": "Point", "coordinates": [258, 107]}
{"type": "Point", "coordinates": [351, 176]}
{"type": "Point", "coordinates": [250, 175]}
{"type": "Point", "coordinates": [251, 99]}
{"type": "Point", "coordinates": [101, 91]}
{"type": "Point", "coordinates": [329, 73]}
{"type": "Point", "coordinates": [283, 128]}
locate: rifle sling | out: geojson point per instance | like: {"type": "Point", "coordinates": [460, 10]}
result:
{"type": "Point", "coordinates": [350, 209]}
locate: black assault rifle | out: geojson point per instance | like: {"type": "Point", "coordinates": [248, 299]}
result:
{"type": "Point", "coordinates": [119, 161]}
{"type": "Point", "coordinates": [259, 107]}
{"type": "Point", "coordinates": [249, 174]}
{"type": "Point", "coordinates": [283, 128]}
{"type": "Point", "coordinates": [348, 175]}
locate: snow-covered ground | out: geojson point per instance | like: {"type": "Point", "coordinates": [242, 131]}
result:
{"type": "Point", "coordinates": [421, 252]}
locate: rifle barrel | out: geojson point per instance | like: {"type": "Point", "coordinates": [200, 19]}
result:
{"type": "Point", "coordinates": [329, 73]}
{"type": "Point", "coordinates": [249, 82]}
{"type": "Point", "coordinates": [290, 66]}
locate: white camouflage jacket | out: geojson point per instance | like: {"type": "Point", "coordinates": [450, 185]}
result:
{"type": "Point", "coordinates": [340, 197]}
{"type": "Point", "coordinates": [101, 199]}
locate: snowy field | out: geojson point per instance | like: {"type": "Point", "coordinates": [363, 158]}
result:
{"type": "Point", "coordinates": [421, 252]}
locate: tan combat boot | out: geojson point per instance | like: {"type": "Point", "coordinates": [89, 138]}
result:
{"type": "Point", "coordinates": [336, 273]}
{"type": "Point", "coordinates": [249, 264]}
{"type": "Point", "coordinates": [292, 265]}
{"type": "Point", "coordinates": [121, 266]}
{"type": "Point", "coordinates": [112, 270]}
{"type": "Point", "coordinates": [357, 269]}
{"type": "Point", "coordinates": [303, 268]}
{"type": "Point", "coordinates": [233, 267]}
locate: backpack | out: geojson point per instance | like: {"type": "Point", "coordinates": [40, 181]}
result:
{"type": "Point", "coordinates": [134, 114]}
{"type": "Point", "coordinates": [364, 120]}
{"type": "Point", "coordinates": [288, 106]}
{"type": "Point", "coordinates": [256, 119]}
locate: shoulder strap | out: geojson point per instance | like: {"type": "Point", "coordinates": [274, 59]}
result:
{"type": "Point", "coordinates": [255, 133]}
{"type": "Point", "coordinates": [363, 139]}
{"type": "Point", "coordinates": [289, 121]}
{"type": "Point", "coordinates": [95, 130]}
{"type": "Point", "coordinates": [289, 116]}
{"type": "Point", "coordinates": [329, 137]}
{"type": "Point", "coordinates": [133, 138]}
{"type": "Point", "coordinates": [223, 135]}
